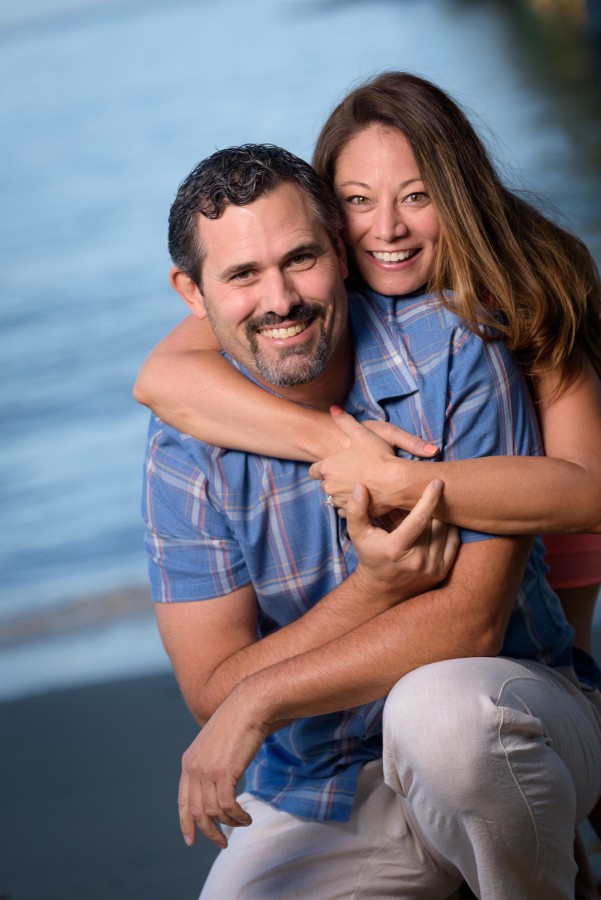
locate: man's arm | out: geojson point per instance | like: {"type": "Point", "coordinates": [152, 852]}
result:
{"type": "Point", "coordinates": [213, 644]}
{"type": "Point", "coordinates": [467, 616]}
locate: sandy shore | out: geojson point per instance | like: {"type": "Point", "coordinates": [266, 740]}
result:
{"type": "Point", "coordinates": [88, 785]}
{"type": "Point", "coordinates": [88, 780]}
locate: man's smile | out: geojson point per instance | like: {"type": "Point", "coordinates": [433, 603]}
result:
{"type": "Point", "coordinates": [283, 331]}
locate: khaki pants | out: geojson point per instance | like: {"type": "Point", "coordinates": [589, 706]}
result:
{"type": "Point", "coordinates": [488, 766]}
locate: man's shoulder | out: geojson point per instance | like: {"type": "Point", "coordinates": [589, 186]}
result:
{"type": "Point", "coordinates": [181, 461]}
{"type": "Point", "coordinates": [176, 457]}
{"type": "Point", "coordinates": [166, 438]}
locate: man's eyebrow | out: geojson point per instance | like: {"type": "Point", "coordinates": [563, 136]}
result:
{"type": "Point", "coordinates": [306, 247]}
{"type": "Point", "coordinates": [237, 269]}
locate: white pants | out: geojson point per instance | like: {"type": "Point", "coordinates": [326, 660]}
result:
{"type": "Point", "coordinates": [488, 766]}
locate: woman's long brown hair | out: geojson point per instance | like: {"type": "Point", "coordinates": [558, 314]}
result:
{"type": "Point", "coordinates": [508, 266]}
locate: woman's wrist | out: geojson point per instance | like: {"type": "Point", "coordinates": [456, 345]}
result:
{"type": "Point", "coordinates": [401, 484]}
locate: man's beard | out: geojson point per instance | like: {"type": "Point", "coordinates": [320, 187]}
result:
{"type": "Point", "coordinates": [307, 364]}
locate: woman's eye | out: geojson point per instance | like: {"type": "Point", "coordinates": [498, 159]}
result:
{"type": "Point", "coordinates": [416, 197]}
{"type": "Point", "coordinates": [357, 200]}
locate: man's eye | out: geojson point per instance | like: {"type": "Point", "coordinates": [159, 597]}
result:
{"type": "Point", "coordinates": [242, 276]}
{"type": "Point", "coordinates": [300, 259]}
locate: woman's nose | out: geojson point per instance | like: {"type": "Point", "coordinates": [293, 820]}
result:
{"type": "Point", "coordinates": [389, 223]}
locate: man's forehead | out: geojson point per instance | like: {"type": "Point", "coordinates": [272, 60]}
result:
{"type": "Point", "coordinates": [282, 217]}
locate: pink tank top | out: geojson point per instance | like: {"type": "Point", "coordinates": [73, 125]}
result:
{"type": "Point", "coordinates": [574, 559]}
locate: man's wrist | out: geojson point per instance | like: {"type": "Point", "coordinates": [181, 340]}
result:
{"type": "Point", "coordinates": [256, 698]}
{"type": "Point", "coordinates": [380, 594]}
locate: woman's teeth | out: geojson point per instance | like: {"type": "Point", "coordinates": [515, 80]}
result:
{"type": "Point", "coordinates": [394, 257]}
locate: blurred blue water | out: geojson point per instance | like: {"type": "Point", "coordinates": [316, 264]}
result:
{"type": "Point", "coordinates": [105, 107]}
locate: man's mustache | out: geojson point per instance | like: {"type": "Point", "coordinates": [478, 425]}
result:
{"type": "Point", "coordinates": [299, 313]}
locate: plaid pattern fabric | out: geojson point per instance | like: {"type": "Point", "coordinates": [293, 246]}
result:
{"type": "Point", "coordinates": [217, 520]}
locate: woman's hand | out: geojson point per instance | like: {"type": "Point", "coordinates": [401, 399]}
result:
{"type": "Point", "coordinates": [369, 460]}
{"type": "Point", "coordinates": [413, 556]}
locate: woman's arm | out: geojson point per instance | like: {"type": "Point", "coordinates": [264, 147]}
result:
{"type": "Point", "coordinates": [189, 385]}
{"type": "Point", "coordinates": [560, 492]}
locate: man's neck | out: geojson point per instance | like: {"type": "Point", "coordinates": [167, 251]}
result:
{"type": "Point", "coordinates": [333, 385]}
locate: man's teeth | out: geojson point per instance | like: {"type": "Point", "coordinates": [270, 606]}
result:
{"type": "Point", "coordinates": [393, 257]}
{"type": "Point", "coordinates": [291, 331]}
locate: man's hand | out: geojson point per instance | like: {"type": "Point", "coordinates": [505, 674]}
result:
{"type": "Point", "coordinates": [212, 767]}
{"type": "Point", "coordinates": [407, 560]}
{"type": "Point", "coordinates": [370, 460]}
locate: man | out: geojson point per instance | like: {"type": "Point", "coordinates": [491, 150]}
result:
{"type": "Point", "coordinates": [285, 637]}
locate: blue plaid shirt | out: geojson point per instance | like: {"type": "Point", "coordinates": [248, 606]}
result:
{"type": "Point", "coordinates": [217, 520]}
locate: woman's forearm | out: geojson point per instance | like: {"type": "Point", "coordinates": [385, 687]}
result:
{"type": "Point", "coordinates": [557, 493]}
{"type": "Point", "coordinates": [189, 385]}
{"type": "Point", "coordinates": [506, 494]}
{"type": "Point", "coordinates": [203, 395]}
{"type": "Point", "coordinates": [502, 495]}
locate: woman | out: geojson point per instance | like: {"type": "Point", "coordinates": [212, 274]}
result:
{"type": "Point", "coordinates": [509, 268]}
{"type": "Point", "coordinates": [448, 226]}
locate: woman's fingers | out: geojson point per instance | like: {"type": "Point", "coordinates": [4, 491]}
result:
{"type": "Point", "coordinates": [397, 437]}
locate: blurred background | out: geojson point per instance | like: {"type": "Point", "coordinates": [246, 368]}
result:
{"type": "Point", "coordinates": [106, 105]}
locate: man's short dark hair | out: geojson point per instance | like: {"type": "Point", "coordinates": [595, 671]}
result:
{"type": "Point", "coordinates": [238, 176]}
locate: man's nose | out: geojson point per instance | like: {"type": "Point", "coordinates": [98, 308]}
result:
{"type": "Point", "coordinates": [389, 223]}
{"type": "Point", "coordinates": [279, 293]}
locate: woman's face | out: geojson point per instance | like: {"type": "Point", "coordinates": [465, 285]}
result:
{"type": "Point", "coordinates": [391, 227]}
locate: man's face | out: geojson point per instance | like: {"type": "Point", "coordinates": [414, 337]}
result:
{"type": "Point", "coordinates": [273, 287]}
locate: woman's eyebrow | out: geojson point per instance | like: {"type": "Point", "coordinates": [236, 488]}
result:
{"type": "Point", "coordinates": [362, 184]}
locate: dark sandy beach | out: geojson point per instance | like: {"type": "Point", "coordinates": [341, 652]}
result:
{"type": "Point", "coordinates": [88, 787]}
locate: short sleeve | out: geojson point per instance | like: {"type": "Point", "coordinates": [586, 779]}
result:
{"type": "Point", "coordinates": [192, 554]}
{"type": "Point", "coordinates": [489, 409]}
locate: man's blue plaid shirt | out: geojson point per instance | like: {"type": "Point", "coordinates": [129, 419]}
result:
{"type": "Point", "coordinates": [217, 520]}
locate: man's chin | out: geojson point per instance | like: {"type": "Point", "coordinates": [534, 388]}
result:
{"type": "Point", "coordinates": [289, 371]}
{"type": "Point", "coordinates": [291, 378]}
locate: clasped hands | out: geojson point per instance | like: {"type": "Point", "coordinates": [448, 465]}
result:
{"type": "Point", "coordinates": [369, 459]}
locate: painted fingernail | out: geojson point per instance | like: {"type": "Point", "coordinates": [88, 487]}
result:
{"type": "Point", "coordinates": [430, 448]}
{"type": "Point", "coordinates": [335, 410]}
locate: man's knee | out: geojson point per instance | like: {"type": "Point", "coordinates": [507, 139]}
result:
{"type": "Point", "coordinates": [440, 723]}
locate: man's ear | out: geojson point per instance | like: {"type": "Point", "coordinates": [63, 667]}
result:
{"type": "Point", "coordinates": [188, 291]}
{"type": "Point", "coordinates": [341, 252]}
